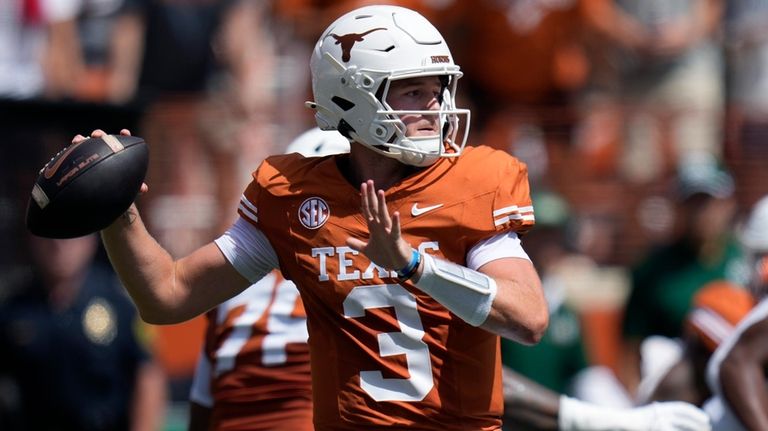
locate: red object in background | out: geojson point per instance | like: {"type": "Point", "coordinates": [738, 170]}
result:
{"type": "Point", "coordinates": [31, 12]}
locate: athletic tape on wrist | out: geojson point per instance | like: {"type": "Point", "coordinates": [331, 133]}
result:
{"type": "Point", "coordinates": [466, 293]}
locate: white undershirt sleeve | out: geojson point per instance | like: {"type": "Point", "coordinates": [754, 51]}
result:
{"type": "Point", "coordinates": [248, 250]}
{"type": "Point", "coordinates": [506, 244]}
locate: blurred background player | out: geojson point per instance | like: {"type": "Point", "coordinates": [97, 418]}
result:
{"type": "Point", "coordinates": [254, 372]}
{"type": "Point", "coordinates": [71, 348]}
{"type": "Point", "coordinates": [736, 373]}
{"type": "Point", "coordinates": [716, 309]}
{"type": "Point", "coordinates": [703, 249]}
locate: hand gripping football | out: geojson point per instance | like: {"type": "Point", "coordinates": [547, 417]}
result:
{"type": "Point", "coordinates": [87, 186]}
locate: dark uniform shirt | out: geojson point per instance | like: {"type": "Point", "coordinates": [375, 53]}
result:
{"type": "Point", "coordinates": [73, 369]}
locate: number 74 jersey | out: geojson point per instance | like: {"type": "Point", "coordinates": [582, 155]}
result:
{"type": "Point", "coordinates": [383, 353]}
{"type": "Point", "coordinates": [255, 373]}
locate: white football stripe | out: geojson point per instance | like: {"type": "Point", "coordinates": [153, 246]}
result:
{"type": "Point", "coordinates": [244, 200]}
{"type": "Point", "coordinates": [513, 209]}
{"type": "Point", "coordinates": [711, 323]}
{"type": "Point", "coordinates": [502, 220]}
{"type": "Point", "coordinates": [247, 212]}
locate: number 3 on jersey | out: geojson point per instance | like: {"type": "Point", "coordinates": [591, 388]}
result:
{"type": "Point", "coordinates": [407, 342]}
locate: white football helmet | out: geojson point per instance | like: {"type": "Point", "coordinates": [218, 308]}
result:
{"type": "Point", "coordinates": [353, 65]}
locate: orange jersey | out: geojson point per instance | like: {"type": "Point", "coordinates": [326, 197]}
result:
{"type": "Point", "coordinates": [385, 354]}
{"type": "Point", "coordinates": [260, 373]}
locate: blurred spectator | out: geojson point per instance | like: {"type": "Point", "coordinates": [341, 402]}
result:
{"type": "Point", "coordinates": [39, 51]}
{"type": "Point", "coordinates": [71, 355]}
{"type": "Point", "coordinates": [657, 65]}
{"type": "Point", "coordinates": [523, 60]}
{"type": "Point", "coordinates": [746, 43]}
{"type": "Point", "coordinates": [205, 78]}
{"type": "Point", "coordinates": [665, 281]}
{"type": "Point", "coordinates": [109, 52]}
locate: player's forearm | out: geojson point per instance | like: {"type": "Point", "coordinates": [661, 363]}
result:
{"type": "Point", "coordinates": [518, 313]}
{"type": "Point", "coordinates": [504, 297]}
{"type": "Point", "coordinates": [146, 270]}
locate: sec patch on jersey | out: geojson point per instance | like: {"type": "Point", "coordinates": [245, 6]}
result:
{"type": "Point", "coordinates": [87, 186]}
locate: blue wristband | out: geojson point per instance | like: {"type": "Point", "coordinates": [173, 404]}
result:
{"type": "Point", "coordinates": [410, 269]}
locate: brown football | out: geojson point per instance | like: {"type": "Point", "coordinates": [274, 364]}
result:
{"type": "Point", "coordinates": [86, 186]}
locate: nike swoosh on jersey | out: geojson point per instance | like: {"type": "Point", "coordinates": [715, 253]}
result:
{"type": "Point", "coordinates": [416, 211]}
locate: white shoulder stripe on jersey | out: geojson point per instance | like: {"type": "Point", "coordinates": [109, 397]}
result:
{"type": "Point", "coordinates": [714, 325]}
{"type": "Point", "coordinates": [245, 202]}
{"type": "Point", "coordinates": [512, 209]}
{"type": "Point", "coordinates": [513, 212]}
{"type": "Point", "coordinates": [524, 217]}
{"type": "Point", "coordinates": [248, 213]}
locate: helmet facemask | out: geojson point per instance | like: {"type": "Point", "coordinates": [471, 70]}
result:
{"type": "Point", "coordinates": [423, 150]}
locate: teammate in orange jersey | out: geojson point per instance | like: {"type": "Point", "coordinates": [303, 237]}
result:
{"type": "Point", "coordinates": [253, 372]}
{"type": "Point", "coordinates": [406, 251]}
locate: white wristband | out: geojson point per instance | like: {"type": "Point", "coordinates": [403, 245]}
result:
{"type": "Point", "coordinates": [465, 292]}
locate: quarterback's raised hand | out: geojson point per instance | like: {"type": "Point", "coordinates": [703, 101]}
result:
{"type": "Point", "coordinates": [385, 246]}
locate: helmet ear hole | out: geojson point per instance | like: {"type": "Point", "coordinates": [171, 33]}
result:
{"type": "Point", "coordinates": [380, 90]}
{"type": "Point", "coordinates": [342, 103]}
